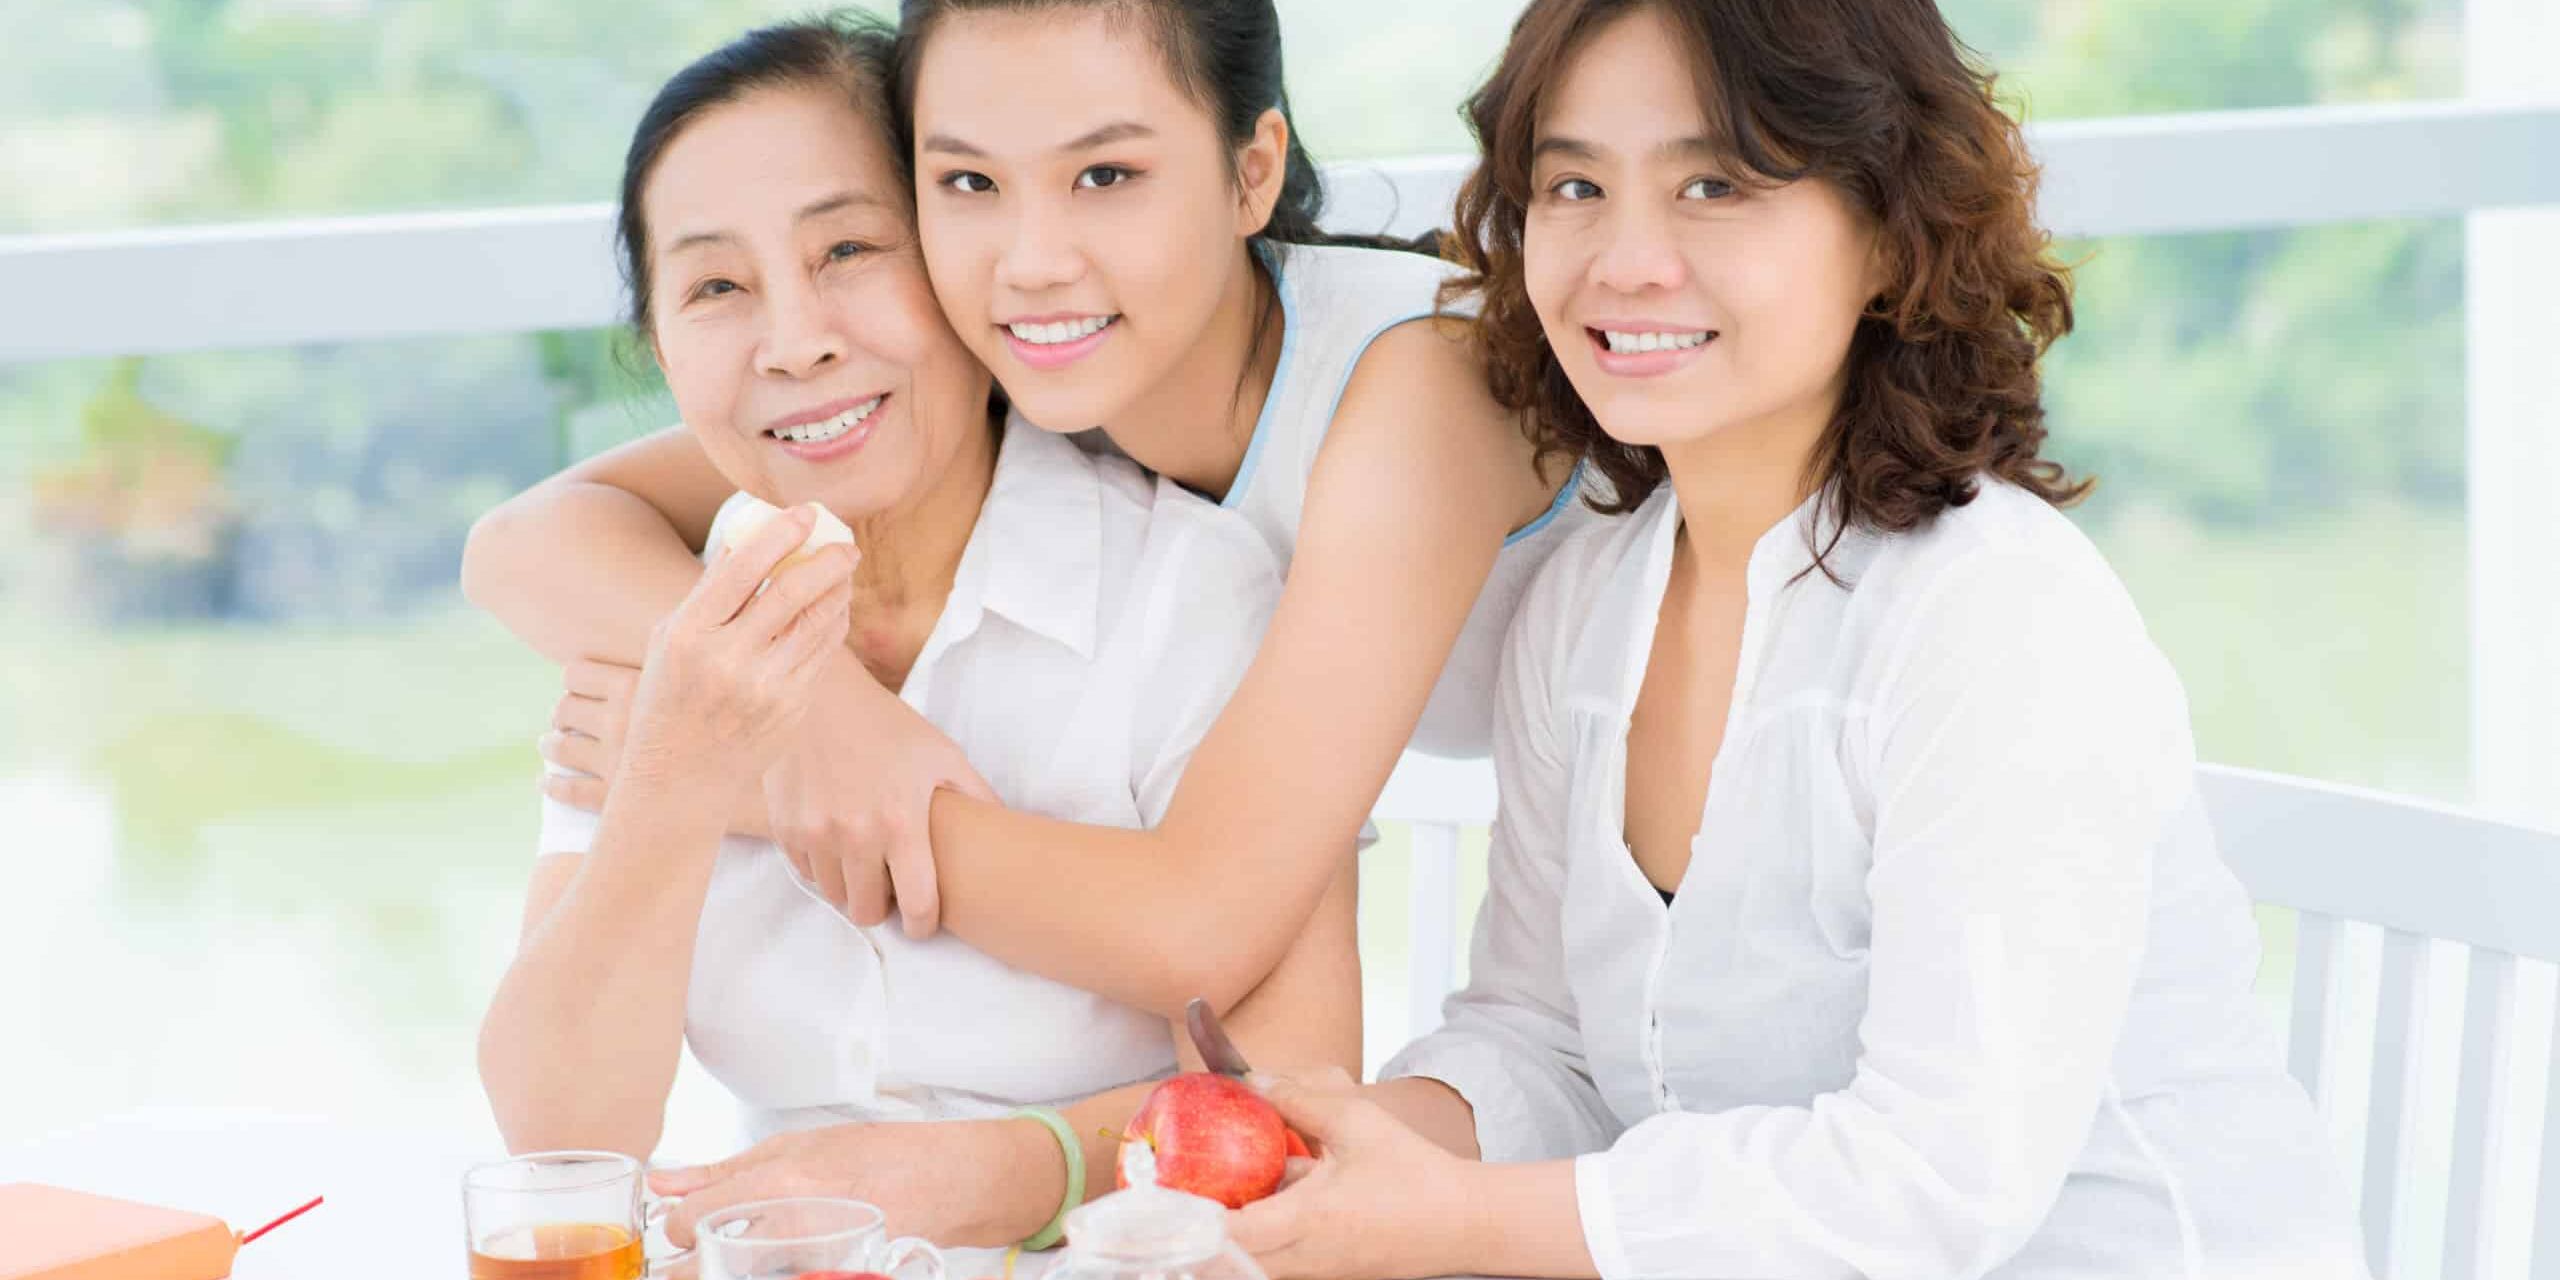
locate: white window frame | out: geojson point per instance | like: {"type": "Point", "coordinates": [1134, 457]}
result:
{"type": "Point", "coordinates": [515, 270]}
{"type": "Point", "coordinates": [2493, 157]}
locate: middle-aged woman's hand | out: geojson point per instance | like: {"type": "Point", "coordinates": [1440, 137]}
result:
{"type": "Point", "coordinates": [1380, 1200]}
{"type": "Point", "coordinates": [727, 675]}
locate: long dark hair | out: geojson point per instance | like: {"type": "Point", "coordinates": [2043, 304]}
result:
{"type": "Point", "coordinates": [1224, 55]}
{"type": "Point", "coordinates": [848, 52]}
{"type": "Point", "coordinates": [1877, 98]}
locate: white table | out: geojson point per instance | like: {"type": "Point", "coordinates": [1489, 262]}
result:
{"type": "Point", "coordinates": [394, 1198]}
{"type": "Point", "coordinates": [394, 1195]}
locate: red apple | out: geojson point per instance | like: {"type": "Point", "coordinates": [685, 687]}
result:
{"type": "Point", "coordinates": [1212, 1136]}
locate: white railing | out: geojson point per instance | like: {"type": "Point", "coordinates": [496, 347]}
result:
{"type": "Point", "coordinates": [2495, 162]}
{"type": "Point", "coordinates": [519, 270]}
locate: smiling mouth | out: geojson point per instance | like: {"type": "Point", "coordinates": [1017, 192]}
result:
{"type": "Point", "coordinates": [831, 428]}
{"type": "Point", "coordinates": [1624, 342]}
{"type": "Point", "coordinates": [1061, 332]}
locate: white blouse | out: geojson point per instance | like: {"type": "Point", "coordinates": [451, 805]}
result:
{"type": "Point", "coordinates": [1956, 983]}
{"type": "Point", "coordinates": [1096, 625]}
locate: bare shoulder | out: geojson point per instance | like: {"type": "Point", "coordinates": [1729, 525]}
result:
{"type": "Point", "coordinates": [1419, 393]}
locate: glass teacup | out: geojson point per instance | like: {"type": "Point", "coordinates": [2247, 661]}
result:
{"type": "Point", "coordinates": [560, 1215]}
{"type": "Point", "coordinates": [792, 1238]}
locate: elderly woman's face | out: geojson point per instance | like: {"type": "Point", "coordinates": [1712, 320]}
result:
{"type": "Point", "coordinates": [790, 309]}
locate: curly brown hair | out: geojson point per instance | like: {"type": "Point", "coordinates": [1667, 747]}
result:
{"type": "Point", "coordinates": [1878, 98]}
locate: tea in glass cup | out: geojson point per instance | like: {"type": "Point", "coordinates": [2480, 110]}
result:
{"type": "Point", "coordinates": [559, 1215]}
{"type": "Point", "coordinates": [788, 1239]}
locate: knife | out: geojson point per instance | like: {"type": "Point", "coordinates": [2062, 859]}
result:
{"type": "Point", "coordinates": [1217, 1052]}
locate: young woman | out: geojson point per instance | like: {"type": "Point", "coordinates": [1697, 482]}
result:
{"type": "Point", "coordinates": [1851, 909]}
{"type": "Point", "coordinates": [1120, 222]}
{"type": "Point", "coordinates": [1074, 625]}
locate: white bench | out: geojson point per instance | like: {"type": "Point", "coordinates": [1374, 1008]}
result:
{"type": "Point", "coordinates": [2336, 856]}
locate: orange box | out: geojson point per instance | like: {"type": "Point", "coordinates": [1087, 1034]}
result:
{"type": "Point", "coordinates": [48, 1233]}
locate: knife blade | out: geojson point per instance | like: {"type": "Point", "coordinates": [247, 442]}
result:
{"type": "Point", "coordinates": [1217, 1052]}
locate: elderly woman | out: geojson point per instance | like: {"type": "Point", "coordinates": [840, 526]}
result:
{"type": "Point", "coordinates": [1071, 623]}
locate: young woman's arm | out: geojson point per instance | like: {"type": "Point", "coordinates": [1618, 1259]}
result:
{"type": "Point", "coordinates": [1421, 478]}
{"type": "Point", "coordinates": [582, 565]}
{"type": "Point", "coordinates": [1306, 1015]}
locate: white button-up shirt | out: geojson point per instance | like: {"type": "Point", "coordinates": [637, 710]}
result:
{"type": "Point", "coordinates": [1097, 622]}
{"type": "Point", "coordinates": [1956, 983]}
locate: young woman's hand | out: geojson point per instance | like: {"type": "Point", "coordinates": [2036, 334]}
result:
{"type": "Point", "coordinates": [850, 799]}
{"type": "Point", "coordinates": [727, 675]}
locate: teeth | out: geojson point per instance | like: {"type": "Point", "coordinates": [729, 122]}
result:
{"type": "Point", "coordinates": [1050, 335]}
{"type": "Point", "coordinates": [822, 432]}
{"type": "Point", "coordinates": [1638, 343]}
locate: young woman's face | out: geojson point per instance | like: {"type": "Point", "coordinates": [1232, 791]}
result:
{"type": "Point", "coordinates": [790, 308]}
{"type": "Point", "coordinates": [1679, 300]}
{"type": "Point", "coordinates": [1079, 213]}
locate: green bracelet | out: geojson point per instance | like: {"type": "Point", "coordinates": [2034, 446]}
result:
{"type": "Point", "coordinates": [1074, 1151]}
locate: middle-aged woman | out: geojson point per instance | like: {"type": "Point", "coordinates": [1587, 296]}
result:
{"type": "Point", "coordinates": [1851, 910]}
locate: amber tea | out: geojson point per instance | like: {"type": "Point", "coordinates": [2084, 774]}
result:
{"type": "Point", "coordinates": [560, 1251]}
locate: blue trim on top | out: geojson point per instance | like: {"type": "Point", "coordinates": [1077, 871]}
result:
{"type": "Point", "coordinates": [1288, 347]}
{"type": "Point", "coordinates": [1564, 497]}
{"type": "Point", "coordinates": [1279, 376]}
{"type": "Point", "coordinates": [1351, 367]}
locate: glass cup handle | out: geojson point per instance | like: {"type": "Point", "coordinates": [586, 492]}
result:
{"type": "Point", "coordinates": [906, 1249]}
{"type": "Point", "coordinates": [653, 1214]}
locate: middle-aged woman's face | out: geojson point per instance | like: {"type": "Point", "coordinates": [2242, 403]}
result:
{"type": "Point", "coordinates": [1680, 299]}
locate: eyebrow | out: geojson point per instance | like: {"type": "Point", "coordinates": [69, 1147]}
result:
{"type": "Point", "coordinates": [1116, 131]}
{"type": "Point", "coordinates": [1693, 147]}
{"type": "Point", "coordinates": [818, 208]}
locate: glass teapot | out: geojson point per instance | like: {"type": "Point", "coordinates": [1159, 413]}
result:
{"type": "Point", "coordinates": [1151, 1233]}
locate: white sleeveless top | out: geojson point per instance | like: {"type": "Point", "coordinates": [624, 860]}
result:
{"type": "Point", "coordinates": [1335, 302]}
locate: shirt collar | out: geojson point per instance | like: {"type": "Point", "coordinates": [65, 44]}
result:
{"type": "Point", "coordinates": [1035, 556]}
{"type": "Point", "coordinates": [1788, 550]}
{"type": "Point", "coordinates": [1782, 560]}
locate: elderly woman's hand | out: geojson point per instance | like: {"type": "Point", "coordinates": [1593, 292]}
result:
{"type": "Point", "coordinates": [589, 724]}
{"type": "Point", "coordinates": [847, 797]}
{"type": "Point", "coordinates": [955, 1182]}
{"type": "Point", "coordinates": [726, 680]}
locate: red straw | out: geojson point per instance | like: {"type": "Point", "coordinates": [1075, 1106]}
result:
{"type": "Point", "coordinates": [315, 1203]}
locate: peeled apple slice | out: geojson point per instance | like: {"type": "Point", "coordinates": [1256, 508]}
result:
{"type": "Point", "coordinates": [751, 514]}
